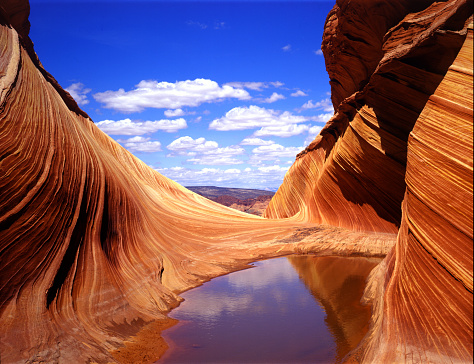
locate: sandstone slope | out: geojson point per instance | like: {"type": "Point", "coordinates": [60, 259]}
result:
{"type": "Point", "coordinates": [94, 244]}
{"type": "Point", "coordinates": [398, 155]}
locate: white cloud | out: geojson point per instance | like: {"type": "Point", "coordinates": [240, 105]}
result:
{"type": "Point", "coordinates": [325, 105]}
{"type": "Point", "coordinates": [298, 93]}
{"type": "Point", "coordinates": [206, 152]}
{"type": "Point", "coordinates": [274, 97]}
{"type": "Point", "coordinates": [215, 160]}
{"type": "Point", "coordinates": [274, 151]}
{"type": "Point", "coordinates": [314, 130]}
{"type": "Point", "coordinates": [267, 177]}
{"type": "Point", "coordinates": [242, 118]}
{"type": "Point", "coordinates": [129, 127]}
{"type": "Point", "coordinates": [186, 145]}
{"type": "Point", "coordinates": [166, 95]}
{"type": "Point", "coordinates": [322, 118]}
{"type": "Point", "coordinates": [256, 141]}
{"type": "Point", "coordinates": [312, 133]}
{"type": "Point", "coordinates": [283, 131]}
{"type": "Point", "coordinates": [141, 144]}
{"type": "Point", "coordinates": [319, 52]}
{"type": "Point", "coordinates": [287, 48]}
{"type": "Point", "coordinates": [79, 93]}
{"type": "Point", "coordinates": [255, 86]}
{"type": "Point", "coordinates": [277, 84]}
{"type": "Point", "coordinates": [174, 113]}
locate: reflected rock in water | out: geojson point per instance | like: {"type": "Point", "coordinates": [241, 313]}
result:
{"type": "Point", "coordinates": [337, 284]}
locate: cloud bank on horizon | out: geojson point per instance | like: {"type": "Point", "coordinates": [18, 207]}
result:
{"type": "Point", "coordinates": [231, 125]}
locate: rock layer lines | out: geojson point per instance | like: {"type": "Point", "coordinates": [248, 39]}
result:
{"type": "Point", "coordinates": [398, 156]}
{"type": "Point", "coordinates": [95, 245]}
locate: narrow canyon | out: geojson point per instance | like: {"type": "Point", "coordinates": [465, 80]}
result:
{"type": "Point", "coordinates": [96, 246]}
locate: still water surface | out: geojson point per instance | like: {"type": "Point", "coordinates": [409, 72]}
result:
{"type": "Point", "coordinates": [297, 309]}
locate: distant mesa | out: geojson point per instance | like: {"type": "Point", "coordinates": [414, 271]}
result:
{"type": "Point", "coordinates": [251, 201]}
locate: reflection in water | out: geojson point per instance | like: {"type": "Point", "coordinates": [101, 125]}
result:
{"type": "Point", "coordinates": [337, 283]}
{"type": "Point", "coordinates": [268, 313]}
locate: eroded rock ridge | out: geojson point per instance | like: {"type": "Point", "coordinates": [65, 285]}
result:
{"type": "Point", "coordinates": [398, 156]}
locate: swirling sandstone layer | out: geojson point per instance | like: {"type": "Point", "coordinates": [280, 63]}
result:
{"type": "Point", "coordinates": [427, 283]}
{"type": "Point", "coordinates": [398, 155]}
{"type": "Point", "coordinates": [94, 244]}
{"type": "Point", "coordinates": [353, 174]}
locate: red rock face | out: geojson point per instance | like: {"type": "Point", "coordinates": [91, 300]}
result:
{"type": "Point", "coordinates": [398, 155]}
{"type": "Point", "coordinates": [94, 244]}
{"type": "Point", "coordinates": [353, 173]}
{"type": "Point", "coordinates": [428, 291]}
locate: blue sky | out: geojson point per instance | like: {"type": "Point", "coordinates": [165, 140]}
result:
{"type": "Point", "coordinates": [222, 93]}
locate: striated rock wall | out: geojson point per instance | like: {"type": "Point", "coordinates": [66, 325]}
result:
{"type": "Point", "coordinates": [94, 244]}
{"type": "Point", "coordinates": [427, 283]}
{"type": "Point", "coordinates": [353, 174]}
{"type": "Point", "coordinates": [398, 155]}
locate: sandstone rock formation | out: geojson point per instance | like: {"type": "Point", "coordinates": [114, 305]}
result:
{"type": "Point", "coordinates": [398, 154]}
{"type": "Point", "coordinates": [94, 244]}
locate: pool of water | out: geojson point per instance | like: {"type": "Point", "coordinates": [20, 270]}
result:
{"type": "Point", "coordinates": [296, 309]}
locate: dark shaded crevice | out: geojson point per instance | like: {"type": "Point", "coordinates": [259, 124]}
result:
{"type": "Point", "coordinates": [104, 226]}
{"type": "Point", "coordinates": [353, 38]}
{"type": "Point", "coordinates": [70, 255]}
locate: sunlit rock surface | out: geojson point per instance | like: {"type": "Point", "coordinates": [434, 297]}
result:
{"type": "Point", "coordinates": [427, 293]}
{"type": "Point", "coordinates": [94, 244]}
{"type": "Point", "coordinates": [398, 154]}
{"type": "Point", "coordinates": [353, 174]}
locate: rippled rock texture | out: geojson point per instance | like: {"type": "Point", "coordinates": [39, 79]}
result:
{"type": "Point", "coordinates": [94, 244]}
{"type": "Point", "coordinates": [398, 155]}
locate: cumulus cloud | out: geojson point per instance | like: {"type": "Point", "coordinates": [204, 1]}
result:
{"type": "Point", "coordinates": [277, 84]}
{"type": "Point", "coordinates": [166, 95]}
{"type": "Point", "coordinates": [283, 131]}
{"type": "Point", "coordinates": [325, 105]}
{"type": "Point", "coordinates": [298, 93]}
{"type": "Point", "coordinates": [267, 177]}
{"type": "Point", "coordinates": [129, 127]}
{"type": "Point", "coordinates": [322, 118]}
{"type": "Point", "coordinates": [252, 117]}
{"type": "Point", "coordinates": [286, 48]}
{"type": "Point", "coordinates": [312, 133]}
{"type": "Point", "coordinates": [141, 144]}
{"type": "Point", "coordinates": [274, 97]}
{"type": "Point", "coordinates": [319, 52]}
{"type": "Point", "coordinates": [275, 151]}
{"type": "Point", "coordinates": [256, 141]}
{"type": "Point", "coordinates": [205, 152]}
{"type": "Point", "coordinates": [79, 93]}
{"type": "Point", "coordinates": [217, 159]}
{"type": "Point", "coordinates": [186, 145]}
{"type": "Point", "coordinates": [174, 113]}
{"type": "Point", "coordinates": [255, 86]}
